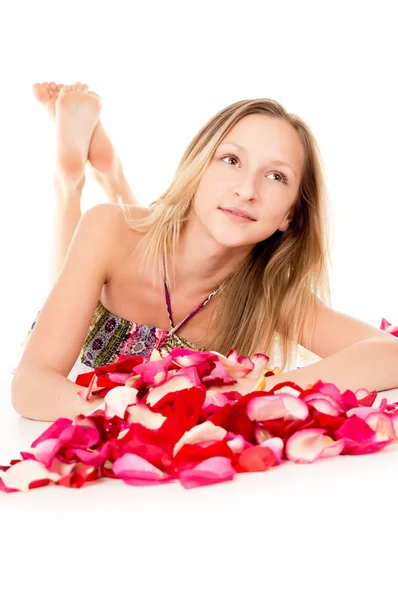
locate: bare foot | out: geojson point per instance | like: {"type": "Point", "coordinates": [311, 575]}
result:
{"type": "Point", "coordinates": [47, 94]}
{"type": "Point", "coordinates": [101, 153]}
{"type": "Point", "coordinates": [106, 166]}
{"type": "Point", "coordinates": [76, 115]}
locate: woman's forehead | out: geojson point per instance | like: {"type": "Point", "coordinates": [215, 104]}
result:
{"type": "Point", "coordinates": [271, 139]}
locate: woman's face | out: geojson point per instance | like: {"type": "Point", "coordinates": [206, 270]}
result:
{"type": "Point", "coordinates": [244, 175]}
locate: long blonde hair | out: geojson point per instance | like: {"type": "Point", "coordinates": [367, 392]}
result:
{"type": "Point", "coordinates": [274, 291]}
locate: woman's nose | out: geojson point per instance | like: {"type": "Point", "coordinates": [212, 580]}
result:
{"type": "Point", "coordinates": [246, 188]}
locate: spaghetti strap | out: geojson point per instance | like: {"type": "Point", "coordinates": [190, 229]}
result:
{"type": "Point", "coordinates": [175, 328]}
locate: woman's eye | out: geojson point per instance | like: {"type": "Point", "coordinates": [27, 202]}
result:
{"type": "Point", "coordinates": [230, 156]}
{"type": "Point", "coordinates": [282, 176]}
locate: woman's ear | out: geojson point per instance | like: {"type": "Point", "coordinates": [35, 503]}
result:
{"type": "Point", "coordinates": [285, 223]}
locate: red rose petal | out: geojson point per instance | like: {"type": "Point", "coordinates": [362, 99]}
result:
{"type": "Point", "coordinates": [256, 458]}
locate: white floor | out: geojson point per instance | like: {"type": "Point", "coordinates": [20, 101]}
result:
{"type": "Point", "coordinates": [316, 531]}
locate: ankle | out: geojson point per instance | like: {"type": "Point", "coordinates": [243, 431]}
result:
{"type": "Point", "coordinates": [68, 192]}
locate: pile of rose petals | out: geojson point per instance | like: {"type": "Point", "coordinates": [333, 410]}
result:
{"type": "Point", "coordinates": [165, 419]}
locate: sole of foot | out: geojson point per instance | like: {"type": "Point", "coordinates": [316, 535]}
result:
{"type": "Point", "coordinates": [76, 116]}
{"type": "Point", "coordinates": [101, 153]}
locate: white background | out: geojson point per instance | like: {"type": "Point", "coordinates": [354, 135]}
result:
{"type": "Point", "coordinates": [162, 70]}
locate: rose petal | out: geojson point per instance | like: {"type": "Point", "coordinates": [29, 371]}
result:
{"type": "Point", "coordinates": [383, 426]}
{"type": "Point", "coordinates": [154, 372]}
{"type": "Point", "coordinates": [256, 458]}
{"type": "Point", "coordinates": [212, 470]}
{"type": "Point", "coordinates": [309, 444]}
{"type": "Point", "coordinates": [214, 400]}
{"type": "Point", "coordinates": [118, 399]}
{"type": "Point", "coordinates": [78, 476]}
{"type": "Point", "coordinates": [78, 436]}
{"type": "Point", "coordinates": [263, 407]}
{"type": "Point", "coordinates": [236, 443]}
{"type": "Point", "coordinates": [46, 451]}
{"type": "Point", "coordinates": [219, 376]}
{"type": "Point", "coordinates": [234, 368]}
{"type": "Point", "coordinates": [135, 470]}
{"type": "Point", "coordinates": [24, 474]}
{"type": "Point", "coordinates": [206, 431]}
{"type": "Point", "coordinates": [260, 361]}
{"type": "Point", "coordinates": [276, 445]}
{"type": "Point", "coordinates": [359, 437]}
{"type": "Point", "coordinates": [386, 326]}
{"type": "Point", "coordinates": [171, 385]}
{"type": "Point", "coordinates": [141, 413]}
{"type": "Point", "coordinates": [183, 357]}
{"type": "Point", "coordinates": [324, 405]}
{"type": "Point", "coordinates": [94, 458]}
{"type": "Point", "coordinates": [53, 431]}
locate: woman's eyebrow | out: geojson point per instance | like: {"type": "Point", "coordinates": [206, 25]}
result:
{"type": "Point", "coordinates": [272, 162]}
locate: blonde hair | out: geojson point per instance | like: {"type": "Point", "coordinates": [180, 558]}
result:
{"type": "Point", "coordinates": [274, 291]}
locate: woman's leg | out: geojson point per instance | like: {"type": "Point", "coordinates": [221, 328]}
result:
{"type": "Point", "coordinates": [67, 213]}
{"type": "Point", "coordinates": [76, 112]}
{"type": "Point", "coordinates": [115, 184]}
{"type": "Point", "coordinates": [106, 167]}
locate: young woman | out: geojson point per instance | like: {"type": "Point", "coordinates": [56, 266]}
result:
{"type": "Point", "coordinates": [232, 256]}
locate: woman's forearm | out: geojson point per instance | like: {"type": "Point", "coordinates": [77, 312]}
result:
{"type": "Point", "coordinates": [43, 395]}
{"type": "Point", "coordinates": [370, 364]}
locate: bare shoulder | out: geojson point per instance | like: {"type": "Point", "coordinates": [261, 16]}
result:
{"type": "Point", "coordinates": [113, 218]}
{"type": "Point", "coordinates": [121, 235]}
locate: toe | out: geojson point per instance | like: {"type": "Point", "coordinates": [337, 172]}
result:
{"type": "Point", "coordinates": [53, 86]}
{"type": "Point", "coordinates": [40, 92]}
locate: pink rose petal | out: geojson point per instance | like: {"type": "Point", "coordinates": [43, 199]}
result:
{"type": "Point", "coordinates": [219, 376]}
{"type": "Point", "coordinates": [307, 445]}
{"type": "Point", "coordinates": [77, 436]}
{"type": "Point", "coordinates": [276, 406]}
{"type": "Point", "coordinates": [383, 426]}
{"type": "Point", "coordinates": [359, 437]}
{"type": "Point", "coordinates": [215, 400]}
{"type": "Point", "coordinates": [386, 326]}
{"type": "Point", "coordinates": [53, 431]}
{"type": "Point", "coordinates": [237, 443]}
{"type": "Point", "coordinates": [276, 445]}
{"type": "Point", "coordinates": [154, 372]}
{"type": "Point", "coordinates": [209, 471]}
{"type": "Point", "coordinates": [234, 368]}
{"type": "Point", "coordinates": [260, 361]}
{"type": "Point", "coordinates": [183, 357]}
{"type": "Point", "coordinates": [46, 451]}
{"type": "Point", "coordinates": [135, 470]}
{"type": "Point", "coordinates": [323, 405]}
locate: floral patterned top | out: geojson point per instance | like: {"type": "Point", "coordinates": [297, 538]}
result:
{"type": "Point", "coordinates": [109, 336]}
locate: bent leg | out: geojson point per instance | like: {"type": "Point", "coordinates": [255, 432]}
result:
{"type": "Point", "coordinates": [67, 213]}
{"type": "Point", "coordinates": [115, 184]}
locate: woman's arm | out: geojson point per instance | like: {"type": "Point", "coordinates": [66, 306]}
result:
{"type": "Point", "coordinates": [40, 388]}
{"type": "Point", "coordinates": [369, 363]}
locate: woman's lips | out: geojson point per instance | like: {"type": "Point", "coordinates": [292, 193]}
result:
{"type": "Point", "coordinates": [236, 218]}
